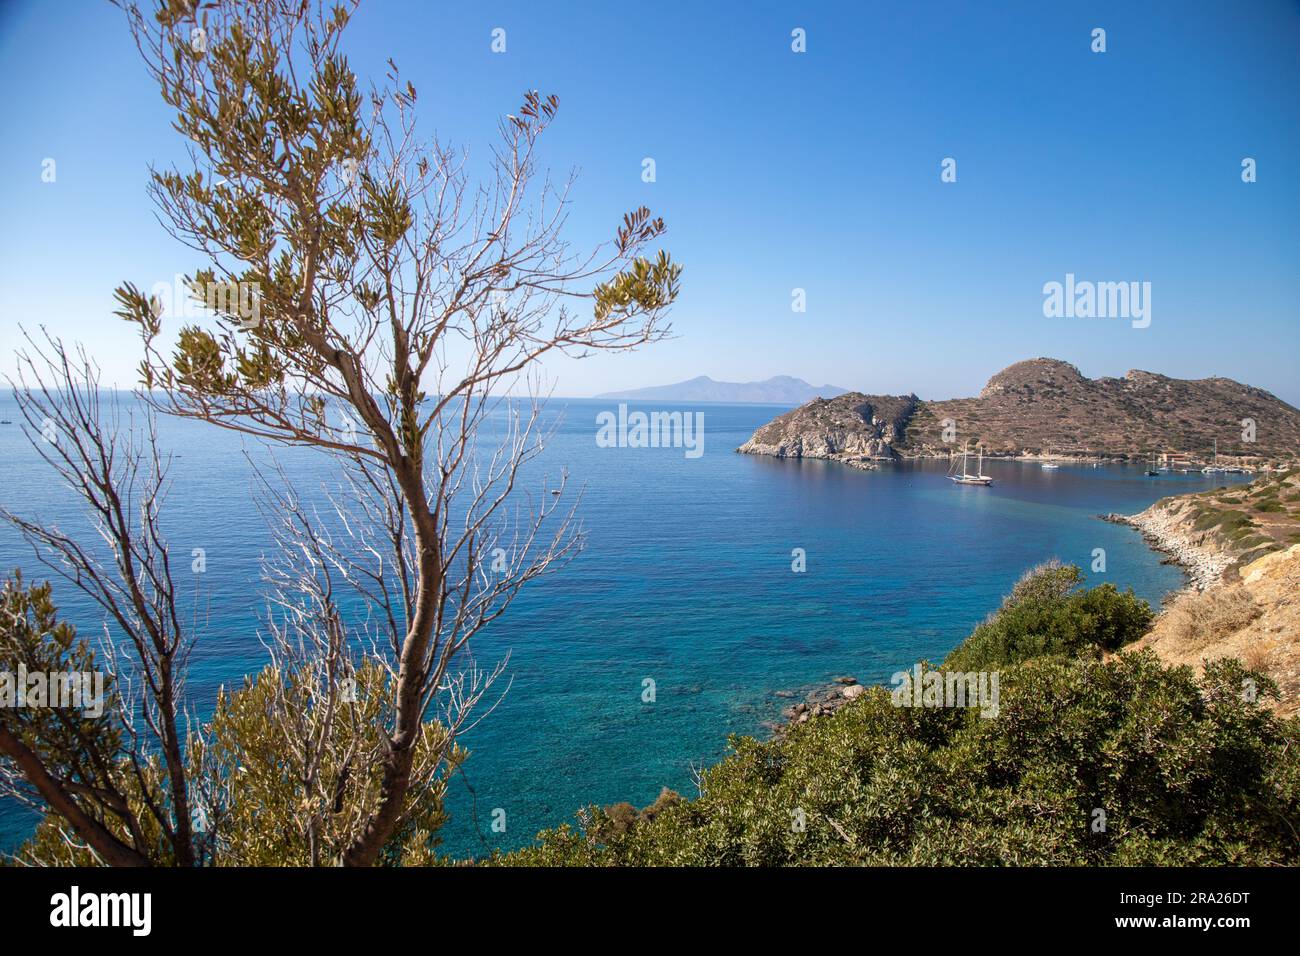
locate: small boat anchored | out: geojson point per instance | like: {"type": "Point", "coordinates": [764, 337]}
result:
{"type": "Point", "coordinates": [1049, 464]}
{"type": "Point", "coordinates": [965, 477]}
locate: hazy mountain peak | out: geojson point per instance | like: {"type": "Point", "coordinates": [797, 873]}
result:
{"type": "Point", "coordinates": [777, 390]}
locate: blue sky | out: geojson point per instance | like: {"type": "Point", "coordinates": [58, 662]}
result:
{"type": "Point", "coordinates": [776, 171]}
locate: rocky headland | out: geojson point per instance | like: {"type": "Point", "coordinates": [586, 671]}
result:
{"type": "Point", "coordinates": [856, 429]}
{"type": "Point", "coordinates": [1043, 407]}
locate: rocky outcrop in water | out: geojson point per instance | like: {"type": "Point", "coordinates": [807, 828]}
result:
{"type": "Point", "coordinates": [821, 700]}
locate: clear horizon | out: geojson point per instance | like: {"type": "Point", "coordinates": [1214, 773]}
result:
{"type": "Point", "coordinates": [779, 171]}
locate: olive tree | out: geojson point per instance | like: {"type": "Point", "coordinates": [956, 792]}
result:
{"type": "Point", "coordinates": [368, 296]}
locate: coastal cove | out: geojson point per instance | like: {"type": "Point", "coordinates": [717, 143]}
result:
{"type": "Point", "coordinates": [686, 581]}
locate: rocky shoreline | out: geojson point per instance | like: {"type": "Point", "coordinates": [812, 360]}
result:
{"type": "Point", "coordinates": [820, 700]}
{"type": "Point", "coordinates": [1166, 530]}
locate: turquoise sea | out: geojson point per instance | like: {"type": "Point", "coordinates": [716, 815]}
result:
{"type": "Point", "coordinates": [685, 579]}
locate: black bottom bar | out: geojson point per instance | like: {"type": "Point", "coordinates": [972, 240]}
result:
{"type": "Point", "coordinates": [340, 906]}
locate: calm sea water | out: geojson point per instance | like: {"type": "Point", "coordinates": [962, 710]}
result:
{"type": "Point", "coordinates": [686, 579]}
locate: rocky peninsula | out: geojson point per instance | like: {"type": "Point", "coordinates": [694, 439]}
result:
{"type": "Point", "coordinates": [1046, 406]}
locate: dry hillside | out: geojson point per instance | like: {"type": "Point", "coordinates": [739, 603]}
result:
{"type": "Point", "coordinates": [1255, 619]}
{"type": "Point", "coordinates": [1045, 404]}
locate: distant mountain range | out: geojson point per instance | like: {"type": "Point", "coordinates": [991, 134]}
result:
{"type": "Point", "coordinates": [778, 390]}
{"type": "Point", "coordinates": [1045, 405]}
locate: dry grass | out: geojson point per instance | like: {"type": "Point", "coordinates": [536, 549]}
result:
{"type": "Point", "coordinates": [1256, 620]}
{"type": "Point", "coordinates": [1199, 619]}
{"type": "Point", "coordinates": [1258, 656]}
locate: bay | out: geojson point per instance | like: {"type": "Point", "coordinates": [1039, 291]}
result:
{"type": "Point", "coordinates": [686, 580]}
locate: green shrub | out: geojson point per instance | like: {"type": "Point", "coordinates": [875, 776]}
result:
{"type": "Point", "coordinates": [1227, 521]}
{"type": "Point", "coordinates": [1186, 772]}
{"type": "Point", "coordinates": [1047, 612]}
{"type": "Point", "coordinates": [1256, 553]}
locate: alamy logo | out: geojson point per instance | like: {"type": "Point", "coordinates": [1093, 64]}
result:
{"type": "Point", "coordinates": [946, 689]}
{"type": "Point", "coordinates": [655, 430]}
{"type": "Point", "coordinates": [180, 300]}
{"type": "Point", "coordinates": [73, 909]}
{"type": "Point", "coordinates": [1098, 300]}
{"type": "Point", "coordinates": [72, 690]}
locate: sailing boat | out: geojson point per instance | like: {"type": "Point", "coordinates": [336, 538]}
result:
{"type": "Point", "coordinates": [1151, 472]}
{"type": "Point", "coordinates": [1214, 469]}
{"type": "Point", "coordinates": [965, 477]}
{"type": "Point", "coordinates": [1049, 464]}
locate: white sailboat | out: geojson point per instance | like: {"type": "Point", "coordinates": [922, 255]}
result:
{"type": "Point", "coordinates": [1049, 464]}
{"type": "Point", "coordinates": [965, 477]}
{"type": "Point", "coordinates": [1214, 469]}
